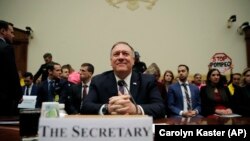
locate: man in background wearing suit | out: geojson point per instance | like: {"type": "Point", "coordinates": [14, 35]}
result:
{"type": "Point", "coordinates": [42, 70]}
{"type": "Point", "coordinates": [10, 88]}
{"type": "Point", "coordinates": [104, 97]}
{"type": "Point", "coordinates": [50, 89]}
{"type": "Point", "coordinates": [183, 99]}
{"type": "Point", "coordinates": [74, 95]}
{"type": "Point", "coordinates": [29, 87]}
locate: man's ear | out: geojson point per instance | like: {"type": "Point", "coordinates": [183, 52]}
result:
{"type": "Point", "coordinates": [2, 30]}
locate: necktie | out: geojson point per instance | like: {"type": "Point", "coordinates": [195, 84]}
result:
{"type": "Point", "coordinates": [27, 90]}
{"type": "Point", "coordinates": [187, 97]}
{"type": "Point", "coordinates": [121, 89]}
{"type": "Point", "coordinates": [51, 90]}
{"type": "Point", "coordinates": [84, 90]}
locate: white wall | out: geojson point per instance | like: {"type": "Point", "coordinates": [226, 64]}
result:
{"type": "Point", "coordinates": [173, 32]}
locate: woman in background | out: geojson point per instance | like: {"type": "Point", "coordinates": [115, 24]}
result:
{"type": "Point", "coordinates": [215, 96]}
{"type": "Point", "coordinates": [167, 79]}
{"type": "Point", "coordinates": [154, 70]}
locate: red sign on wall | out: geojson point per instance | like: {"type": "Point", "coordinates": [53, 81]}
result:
{"type": "Point", "coordinates": [221, 61]}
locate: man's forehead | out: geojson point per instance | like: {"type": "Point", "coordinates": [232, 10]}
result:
{"type": "Point", "coordinates": [122, 47]}
{"type": "Point", "coordinates": [57, 66]}
{"type": "Point", "coordinates": [181, 68]}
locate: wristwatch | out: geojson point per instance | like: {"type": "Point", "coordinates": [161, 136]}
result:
{"type": "Point", "coordinates": [105, 109]}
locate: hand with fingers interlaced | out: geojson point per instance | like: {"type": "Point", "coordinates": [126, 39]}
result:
{"type": "Point", "coordinates": [121, 105]}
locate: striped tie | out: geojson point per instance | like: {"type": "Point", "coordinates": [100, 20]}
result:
{"type": "Point", "coordinates": [189, 107]}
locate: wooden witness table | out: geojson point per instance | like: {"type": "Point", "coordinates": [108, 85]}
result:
{"type": "Point", "coordinates": [11, 132]}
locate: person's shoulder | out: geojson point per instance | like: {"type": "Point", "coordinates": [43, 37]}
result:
{"type": "Point", "coordinates": [174, 85]}
{"type": "Point", "coordinates": [144, 75]}
{"type": "Point", "coordinates": [203, 87]}
{"type": "Point", "coordinates": [107, 72]}
{"type": "Point", "coordinates": [142, 63]}
{"type": "Point", "coordinates": [104, 74]}
{"type": "Point", "coordinates": [2, 44]}
{"type": "Point", "coordinates": [34, 85]}
{"type": "Point", "coordinates": [193, 86]}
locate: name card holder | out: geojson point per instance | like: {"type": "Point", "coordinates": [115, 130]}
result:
{"type": "Point", "coordinates": [96, 128]}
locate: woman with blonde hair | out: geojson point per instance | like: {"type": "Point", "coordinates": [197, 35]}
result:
{"type": "Point", "coordinates": [153, 69]}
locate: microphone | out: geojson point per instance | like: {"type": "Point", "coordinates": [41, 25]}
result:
{"type": "Point", "coordinates": [122, 83]}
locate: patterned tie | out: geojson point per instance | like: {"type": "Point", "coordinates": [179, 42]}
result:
{"type": "Point", "coordinates": [189, 107]}
{"type": "Point", "coordinates": [84, 90]}
{"type": "Point", "coordinates": [121, 89]}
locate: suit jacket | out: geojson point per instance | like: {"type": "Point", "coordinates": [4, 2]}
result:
{"type": "Point", "coordinates": [33, 90]}
{"type": "Point", "coordinates": [71, 97]}
{"type": "Point", "coordinates": [241, 101]}
{"type": "Point", "coordinates": [175, 98]}
{"type": "Point", "coordinates": [143, 89]}
{"type": "Point", "coordinates": [43, 94]}
{"type": "Point", "coordinates": [10, 88]}
{"type": "Point", "coordinates": [42, 71]}
{"type": "Point", "coordinates": [208, 102]}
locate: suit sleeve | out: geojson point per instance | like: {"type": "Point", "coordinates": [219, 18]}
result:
{"type": "Point", "coordinates": [152, 102]}
{"type": "Point", "coordinates": [171, 101]}
{"type": "Point", "coordinates": [38, 74]}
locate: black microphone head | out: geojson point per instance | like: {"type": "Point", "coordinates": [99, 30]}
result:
{"type": "Point", "coordinates": [121, 83]}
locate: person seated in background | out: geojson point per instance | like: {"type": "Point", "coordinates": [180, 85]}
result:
{"type": "Point", "coordinates": [241, 97]}
{"type": "Point", "coordinates": [75, 95]}
{"type": "Point", "coordinates": [234, 82]}
{"type": "Point", "coordinates": [139, 66]}
{"type": "Point", "coordinates": [29, 88]}
{"type": "Point", "coordinates": [215, 96]}
{"type": "Point", "coordinates": [50, 89]}
{"type": "Point", "coordinates": [65, 72]}
{"type": "Point", "coordinates": [42, 70]}
{"type": "Point", "coordinates": [183, 99]}
{"type": "Point", "coordinates": [154, 70]}
{"type": "Point", "coordinates": [168, 79]}
{"type": "Point", "coordinates": [197, 80]}
{"type": "Point", "coordinates": [122, 91]}
{"type": "Point", "coordinates": [74, 76]}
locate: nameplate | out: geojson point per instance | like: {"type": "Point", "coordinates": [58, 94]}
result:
{"type": "Point", "coordinates": [96, 128]}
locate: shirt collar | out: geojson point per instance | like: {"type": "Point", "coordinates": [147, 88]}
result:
{"type": "Point", "coordinates": [183, 82]}
{"type": "Point", "coordinates": [86, 83]}
{"type": "Point", "coordinates": [2, 39]}
{"type": "Point", "coordinates": [127, 79]}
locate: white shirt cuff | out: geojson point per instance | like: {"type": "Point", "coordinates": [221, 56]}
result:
{"type": "Point", "coordinates": [100, 110]}
{"type": "Point", "coordinates": [142, 111]}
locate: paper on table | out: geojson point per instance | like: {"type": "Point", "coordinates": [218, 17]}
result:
{"type": "Point", "coordinates": [28, 102]}
{"type": "Point", "coordinates": [229, 116]}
